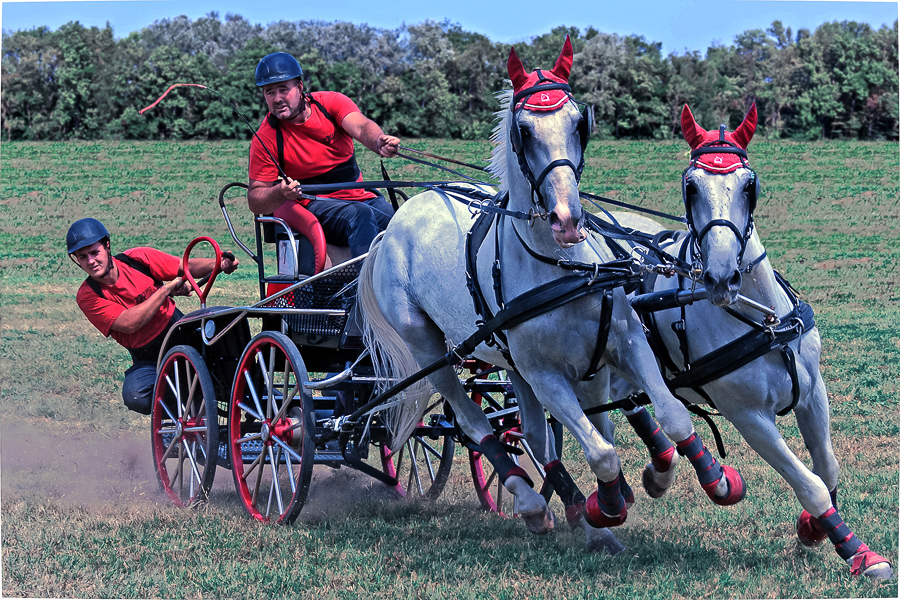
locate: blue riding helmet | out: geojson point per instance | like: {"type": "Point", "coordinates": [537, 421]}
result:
{"type": "Point", "coordinates": [279, 66]}
{"type": "Point", "coordinates": [84, 232]}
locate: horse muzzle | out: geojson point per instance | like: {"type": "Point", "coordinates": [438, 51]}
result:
{"type": "Point", "coordinates": [723, 288]}
{"type": "Point", "coordinates": [566, 231]}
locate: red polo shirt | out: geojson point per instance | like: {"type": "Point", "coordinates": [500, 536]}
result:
{"type": "Point", "coordinates": [130, 289]}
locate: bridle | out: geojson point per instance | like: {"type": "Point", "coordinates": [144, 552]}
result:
{"type": "Point", "coordinates": [721, 146]}
{"type": "Point", "coordinates": [516, 141]}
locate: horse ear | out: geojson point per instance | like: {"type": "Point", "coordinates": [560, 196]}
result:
{"type": "Point", "coordinates": [744, 133]}
{"type": "Point", "coordinates": [516, 72]}
{"type": "Point", "coordinates": [563, 65]}
{"type": "Point", "coordinates": [693, 133]}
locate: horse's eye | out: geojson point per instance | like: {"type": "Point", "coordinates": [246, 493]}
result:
{"type": "Point", "coordinates": [690, 190]}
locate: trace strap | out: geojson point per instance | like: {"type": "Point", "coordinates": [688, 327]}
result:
{"type": "Point", "coordinates": [537, 301]}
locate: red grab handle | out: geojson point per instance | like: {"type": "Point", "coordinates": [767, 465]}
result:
{"type": "Point", "coordinates": [212, 277]}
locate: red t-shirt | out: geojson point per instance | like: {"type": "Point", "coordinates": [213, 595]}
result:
{"type": "Point", "coordinates": [130, 289]}
{"type": "Point", "coordinates": [311, 148]}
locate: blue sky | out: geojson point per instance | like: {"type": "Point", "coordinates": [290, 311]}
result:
{"type": "Point", "coordinates": [679, 24]}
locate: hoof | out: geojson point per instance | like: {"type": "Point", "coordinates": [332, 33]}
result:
{"type": "Point", "coordinates": [809, 530]}
{"type": "Point", "coordinates": [865, 562]}
{"type": "Point", "coordinates": [656, 483]}
{"type": "Point", "coordinates": [539, 521]}
{"type": "Point", "coordinates": [602, 541]}
{"type": "Point", "coordinates": [597, 518]}
{"type": "Point", "coordinates": [736, 488]}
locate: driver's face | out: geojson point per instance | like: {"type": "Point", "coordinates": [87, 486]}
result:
{"type": "Point", "coordinates": [285, 99]}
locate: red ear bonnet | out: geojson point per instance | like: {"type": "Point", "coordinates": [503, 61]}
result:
{"type": "Point", "coordinates": [516, 72]}
{"type": "Point", "coordinates": [696, 137]}
{"type": "Point", "coordinates": [693, 134]}
{"type": "Point", "coordinates": [744, 133]}
{"type": "Point", "coordinates": [563, 65]}
{"type": "Point", "coordinates": [546, 100]}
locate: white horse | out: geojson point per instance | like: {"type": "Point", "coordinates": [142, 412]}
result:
{"type": "Point", "coordinates": [720, 193]}
{"type": "Point", "coordinates": [415, 301]}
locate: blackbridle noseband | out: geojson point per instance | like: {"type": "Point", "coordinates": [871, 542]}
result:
{"type": "Point", "coordinates": [721, 146]}
{"type": "Point", "coordinates": [515, 137]}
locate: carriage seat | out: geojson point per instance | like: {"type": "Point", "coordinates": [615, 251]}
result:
{"type": "Point", "coordinates": [314, 253]}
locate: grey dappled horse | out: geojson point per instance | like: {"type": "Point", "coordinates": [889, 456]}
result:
{"type": "Point", "coordinates": [415, 301]}
{"type": "Point", "coordinates": [720, 193]}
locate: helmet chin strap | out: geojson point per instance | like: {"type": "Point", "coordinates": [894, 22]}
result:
{"type": "Point", "coordinates": [109, 260]}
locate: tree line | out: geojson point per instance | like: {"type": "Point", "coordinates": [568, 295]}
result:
{"type": "Point", "coordinates": [438, 80]}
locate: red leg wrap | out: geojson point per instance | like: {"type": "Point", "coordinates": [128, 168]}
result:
{"type": "Point", "coordinates": [597, 518]}
{"type": "Point", "coordinates": [809, 530]}
{"type": "Point", "coordinates": [865, 558]}
{"type": "Point", "coordinates": [736, 488]}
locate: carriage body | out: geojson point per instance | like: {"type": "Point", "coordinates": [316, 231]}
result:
{"type": "Point", "coordinates": [271, 405]}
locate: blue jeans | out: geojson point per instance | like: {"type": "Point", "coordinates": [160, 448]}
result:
{"type": "Point", "coordinates": [137, 391]}
{"type": "Point", "coordinates": [352, 223]}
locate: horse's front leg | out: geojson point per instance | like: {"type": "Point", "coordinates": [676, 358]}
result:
{"type": "Point", "coordinates": [630, 355]}
{"type": "Point", "coordinates": [758, 428]}
{"type": "Point", "coordinates": [659, 473]}
{"type": "Point", "coordinates": [557, 478]}
{"type": "Point", "coordinates": [813, 420]}
{"type": "Point", "coordinates": [606, 507]}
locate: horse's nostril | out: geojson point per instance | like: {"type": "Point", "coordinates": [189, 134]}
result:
{"type": "Point", "coordinates": [734, 282]}
{"type": "Point", "coordinates": [708, 280]}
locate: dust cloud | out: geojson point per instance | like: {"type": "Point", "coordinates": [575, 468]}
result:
{"type": "Point", "coordinates": [99, 471]}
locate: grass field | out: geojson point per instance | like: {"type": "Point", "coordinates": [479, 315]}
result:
{"type": "Point", "coordinates": [81, 515]}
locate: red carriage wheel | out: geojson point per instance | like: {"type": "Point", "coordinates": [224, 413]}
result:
{"type": "Point", "coordinates": [422, 465]}
{"type": "Point", "coordinates": [185, 430]}
{"type": "Point", "coordinates": [271, 428]}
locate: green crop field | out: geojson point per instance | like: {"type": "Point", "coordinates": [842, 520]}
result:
{"type": "Point", "coordinates": [82, 516]}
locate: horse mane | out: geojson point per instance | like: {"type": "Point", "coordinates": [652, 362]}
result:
{"type": "Point", "coordinates": [500, 139]}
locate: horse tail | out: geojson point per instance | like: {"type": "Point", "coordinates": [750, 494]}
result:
{"type": "Point", "coordinates": [392, 361]}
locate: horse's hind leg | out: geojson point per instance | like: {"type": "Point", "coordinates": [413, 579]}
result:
{"type": "Point", "coordinates": [557, 478]}
{"type": "Point", "coordinates": [427, 343]}
{"type": "Point", "coordinates": [631, 356]}
{"type": "Point", "coordinates": [763, 436]}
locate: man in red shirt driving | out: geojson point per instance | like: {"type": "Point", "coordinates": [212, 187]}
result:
{"type": "Point", "coordinates": [129, 298]}
{"type": "Point", "coordinates": [311, 136]}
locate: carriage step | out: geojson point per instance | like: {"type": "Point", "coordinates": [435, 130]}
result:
{"type": "Point", "coordinates": [325, 456]}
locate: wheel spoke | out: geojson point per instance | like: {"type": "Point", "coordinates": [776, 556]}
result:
{"type": "Point", "coordinates": [195, 471]}
{"type": "Point", "coordinates": [414, 467]}
{"type": "Point", "coordinates": [420, 443]}
{"type": "Point", "coordinates": [163, 404]}
{"type": "Point", "coordinates": [252, 389]}
{"type": "Point", "coordinates": [270, 380]}
{"type": "Point", "coordinates": [287, 449]}
{"type": "Point", "coordinates": [256, 415]}
{"type": "Point", "coordinates": [275, 482]}
{"type": "Point", "coordinates": [171, 445]}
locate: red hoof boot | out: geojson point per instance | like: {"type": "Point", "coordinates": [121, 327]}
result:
{"type": "Point", "coordinates": [573, 515]}
{"type": "Point", "coordinates": [865, 562]}
{"type": "Point", "coordinates": [809, 530]}
{"type": "Point", "coordinates": [597, 518]}
{"type": "Point", "coordinates": [736, 488]}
